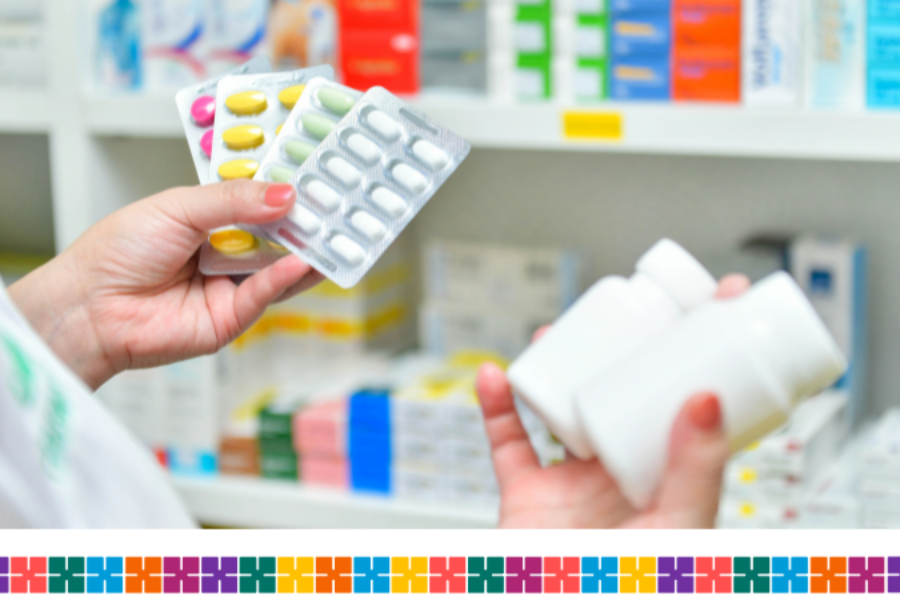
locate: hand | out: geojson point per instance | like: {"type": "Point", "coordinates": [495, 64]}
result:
{"type": "Point", "coordinates": [128, 294]}
{"type": "Point", "coordinates": [582, 494]}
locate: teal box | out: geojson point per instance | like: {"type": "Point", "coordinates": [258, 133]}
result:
{"type": "Point", "coordinates": [883, 89]}
{"type": "Point", "coordinates": [884, 9]}
{"type": "Point", "coordinates": [883, 42]}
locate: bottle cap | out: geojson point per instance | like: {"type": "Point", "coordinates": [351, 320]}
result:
{"type": "Point", "coordinates": [680, 274]}
{"type": "Point", "coordinates": [789, 336]}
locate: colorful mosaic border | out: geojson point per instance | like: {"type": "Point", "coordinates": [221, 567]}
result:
{"type": "Point", "coordinates": [443, 574]}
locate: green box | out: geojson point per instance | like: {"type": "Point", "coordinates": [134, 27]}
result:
{"type": "Point", "coordinates": [533, 77]}
{"type": "Point", "coordinates": [279, 466]}
{"type": "Point", "coordinates": [591, 36]}
{"type": "Point", "coordinates": [533, 33]}
{"type": "Point", "coordinates": [277, 421]}
{"type": "Point", "coordinates": [276, 445]}
{"type": "Point", "coordinates": [591, 79]}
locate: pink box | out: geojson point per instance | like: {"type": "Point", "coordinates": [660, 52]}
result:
{"type": "Point", "coordinates": [327, 472]}
{"type": "Point", "coordinates": [321, 429]}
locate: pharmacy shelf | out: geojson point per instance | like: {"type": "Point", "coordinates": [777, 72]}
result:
{"type": "Point", "coordinates": [658, 129]}
{"type": "Point", "coordinates": [245, 502]}
{"type": "Point", "coordinates": [25, 111]}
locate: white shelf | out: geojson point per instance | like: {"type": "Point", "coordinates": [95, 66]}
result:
{"type": "Point", "coordinates": [240, 502]}
{"type": "Point", "coordinates": [660, 129]}
{"type": "Point", "coordinates": [25, 111]}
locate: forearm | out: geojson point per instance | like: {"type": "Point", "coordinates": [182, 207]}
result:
{"type": "Point", "coordinates": [53, 299]}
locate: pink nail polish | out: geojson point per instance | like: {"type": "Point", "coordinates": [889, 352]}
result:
{"type": "Point", "coordinates": [278, 195]}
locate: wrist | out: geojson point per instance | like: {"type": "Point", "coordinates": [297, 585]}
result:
{"type": "Point", "coordinates": [54, 300]}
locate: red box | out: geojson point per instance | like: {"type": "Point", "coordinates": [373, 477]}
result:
{"type": "Point", "coordinates": [366, 15]}
{"type": "Point", "coordinates": [707, 22]}
{"type": "Point", "coordinates": [706, 74]}
{"type": "Point", "coordinates": [386, 58]}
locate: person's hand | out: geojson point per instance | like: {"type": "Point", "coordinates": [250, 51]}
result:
{"type": "Point", "coordinates": [128, 293]}
{"type": "Point", "coordinates": [582, 494]}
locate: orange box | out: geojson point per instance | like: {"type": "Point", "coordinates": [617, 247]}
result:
{"type": "Point", "coordinates": [707, 22]}
{"type": "Point", "coordinates": [706, 74]}
{"type": "Point", "coordinates": [386, 58]}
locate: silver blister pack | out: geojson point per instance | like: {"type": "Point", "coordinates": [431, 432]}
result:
{"type": "Point", "coordinates": [238, 255]}
{"type": "Point", "coordinates": [197, 109]}
{"type": "Point", "coordinates": [250, 110]}
{"type": "Point", "coordinates": [297, 142]}
{"type": "Point", "coordinates": [365, 182]}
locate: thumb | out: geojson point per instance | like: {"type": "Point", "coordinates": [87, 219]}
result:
{"type": "Point", "coordinates": [240, 201]}
{"type": "Point", "coordinates": [698, 451]}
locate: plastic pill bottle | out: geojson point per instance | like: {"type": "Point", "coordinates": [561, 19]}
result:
{"type": "Point", "coordinates": [760, 353]}
{"type": "Point", "coordinates": [615, 317]}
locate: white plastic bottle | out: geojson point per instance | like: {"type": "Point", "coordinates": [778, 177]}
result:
{"type": "Point", "coordinates": [610, 321]}
{"type": "Point", "coordinates": [760, 354]}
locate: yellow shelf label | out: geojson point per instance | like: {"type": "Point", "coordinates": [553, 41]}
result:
{"type": "Point", "coordinates": [584, 125]}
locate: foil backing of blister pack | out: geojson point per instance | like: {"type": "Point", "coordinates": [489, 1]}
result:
{"type": "Point", "coordinates": [317, 245]}
{"type": "Point", "coordinates": [245, 162]}
{"type": "Point", "coordinates": [195, 131]}
{"type": "Point", "coordinates": [212, 262]}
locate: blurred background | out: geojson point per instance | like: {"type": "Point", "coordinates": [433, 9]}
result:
{"type": "Point", "coordinates": [760, 134]}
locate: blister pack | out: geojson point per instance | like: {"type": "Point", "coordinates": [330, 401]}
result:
{"type": "Point", "coordinates": [308, 124]}
{"type": "Point", "coordinates": [237, 252]}
{"type": "Point", "coordinates": [250, 110]}
{"type": "Point", "coordinates": [363, 184]}
{"type": "Point", "coordinates": [197, 109]}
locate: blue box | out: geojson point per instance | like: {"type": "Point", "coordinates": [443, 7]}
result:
{"type": "Point", "coordinates": [641, 34]}
{"type": "Point", "coordinates": [617, 7]}
{"type": "Point", "coordinates": [641, 78]}
{"type": "Point", "coordinates": [883, 86]}
{"type": "Point", "coordinates": [884, 9]}
{"type": "Point", "coordinates": [369, 441]}
{"type": "Point", "coordinates": [883, 42]}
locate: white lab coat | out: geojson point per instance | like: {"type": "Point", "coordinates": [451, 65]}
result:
{"type": "Point", "coordinates": [64, 459]}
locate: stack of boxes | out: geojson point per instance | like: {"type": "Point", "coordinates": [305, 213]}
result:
{"type": "Point", "coordinates": [766, 485]}
{"type": "Point", "coordinates": [879, 487]}
{"type": "Point", "coordinates": [883, 57]}
{"type": "Point", "coordinates": [533, 47]}
{"type": "Point", "coordinates": [379, 44]}
{"type": "Point", "coordinates": [641, 49]}
{"type": "Point", "coordinates": [369, 441]}
{"type": "Point", "coordinates": [835, 59]}
{"type": "Point", "coordinates": [707, 50]}
{"type": "Point", "coordinates": [454, 45]}
{"type": "Point", "coordinates": [320, 437]}
{"type": "Point", "coordinates": [486, 297]}
{"type": "Point", "coordinates": [583, 50]}
{"type": "Point", "coordinates": [278, 457]}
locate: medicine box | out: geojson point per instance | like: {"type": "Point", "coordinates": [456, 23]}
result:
{"type": "Point", "coordinates": [455, 71]}
{"type": "Point", "coordinates": [706, 74]}
{"type": "Point", "coordinates": [883, 55]}
{"type": "Point", "coordinates": [640, 78]}
{"type": "Point", "coordinates": [833, 273]}
{"type": "Point", "coordinates": [193, 420]}
{"type": "Point", "coordinates": [631, 6]}
{"type": "Point", "coordinates": [543, 279]}
{"type": "Point", "coordinates": [707, 22]}
{"type": "Point", "coordinates": [453, 26]}
{"type": "Point", "coordinates": [391, 15]}
{"type": "Point", "coordinates": [835, 55]}
{"type": "Point", "coordinates": [22, 53]}
{"type": "Point", "coordinates": [388, 58]}
{"type": "Point", "coordinates": [641, 34]}
{"type": "Point", "coordinates": [773, 53]}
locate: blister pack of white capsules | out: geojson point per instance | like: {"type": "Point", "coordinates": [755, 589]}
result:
{"type": "Point", "coordinates": [197, 109]}
{"type": "Point", "coordinates": [250, 110]}
{"type": "Point", "coordinates": [381, 161]}
{"type": "Point", "coordinates": [304, 130]}
{"type": "Point", "coordinates": [236, 252]}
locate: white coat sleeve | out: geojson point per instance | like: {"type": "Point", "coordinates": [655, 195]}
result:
{"type": "Point", "coordinates": [65, 461]}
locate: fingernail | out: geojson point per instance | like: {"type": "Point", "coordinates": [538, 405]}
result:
{"type": "Point", "coordinates": [706, 413]}
{"type": "Point", "coordinates": [278, 195]}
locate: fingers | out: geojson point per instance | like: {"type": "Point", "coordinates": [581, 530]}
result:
{"type": "Point", "coordinates": [262, 288]}
{"type": "Point", "coordinates": [511, 449]}
{"type": "Point", "coordinates": [731, 286]}
{"type": "Point", "coordinates": [309, 281]}
{"type": "Point", "coordinates": [698, 451]}
{"type": "Point", "coordinates": [239, 201]}
{"type": "Point", "coordinates": [541, 332]}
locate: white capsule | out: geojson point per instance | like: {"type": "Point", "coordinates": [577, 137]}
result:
{"type": "Point", "coordinates": [368, 225]}
{"type": "Point", "coordinates": [386, 127]}
{"type": "Point", "coordinates": [430, 154]}
{"type": "Point", "coordinates": [409, 177]}
{"type": "Point", "coordinates": [305, 219]}
{"type": "Point", "coordinates": [324, 195]}
{"type": "Point", "coordinates": [388, 201]}
{"type": "Point", "coordinates": [363, 147]}
{"type": "Point", "coordinates": [343, 170]}
{"type": "Point", "coordinates": [349, 250]}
